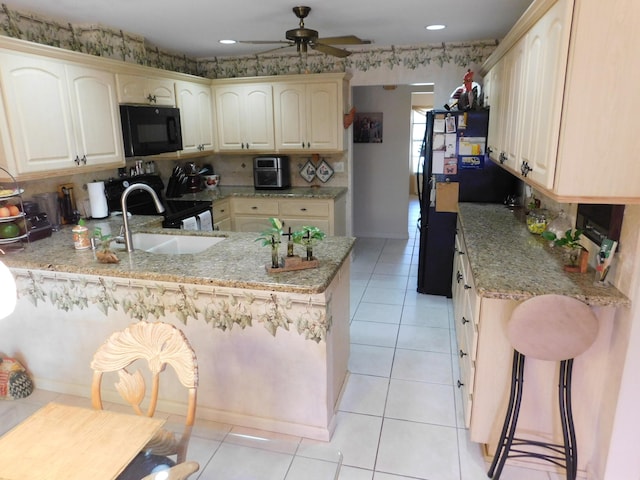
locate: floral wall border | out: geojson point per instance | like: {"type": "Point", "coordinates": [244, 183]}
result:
{"type": "Point", "coordinates": [222, 308]}
{"type": "Point", "coordinates": [106, 42]}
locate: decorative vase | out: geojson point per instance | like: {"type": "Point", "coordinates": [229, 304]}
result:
{"type": "Point", "coordinates": [275, 261]}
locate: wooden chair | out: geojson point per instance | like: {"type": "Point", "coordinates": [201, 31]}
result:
{"type": "Point", "coordinates": [157, 344]}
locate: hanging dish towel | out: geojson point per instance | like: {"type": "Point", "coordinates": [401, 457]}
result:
{"type": "Point", "coordinates": [205, 221]}
{"type": "Point", "coordinates": [190, 223]}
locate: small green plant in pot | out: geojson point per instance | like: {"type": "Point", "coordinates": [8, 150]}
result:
{"type": "Point", "coordinates": [104, 255]}
{"type": "Point", "coordinates": [308, 236]}
{"type": "Point", "coordinates": [570, 241]}
{"type": "Point", "coordinates": [271, 236]}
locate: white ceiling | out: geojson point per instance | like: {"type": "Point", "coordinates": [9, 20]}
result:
{"type": "Point", "coordinates": [193, 27]}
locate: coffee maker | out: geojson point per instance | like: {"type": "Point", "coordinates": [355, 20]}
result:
{"type": "Point", "coordinates": [194, 179]}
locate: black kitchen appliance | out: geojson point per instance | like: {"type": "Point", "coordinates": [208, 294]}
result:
{"type": "Point", "coordinates": [271, 172]}
{"type": "Point", "coordinates": [178, 213]}
{"type": "Point", "coordinates": [454, 151]}
{"type": "Point", "coordinates": [150, 130]}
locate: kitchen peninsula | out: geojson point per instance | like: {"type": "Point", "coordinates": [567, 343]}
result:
{"type": "Point", "coordinates": [272, 348]}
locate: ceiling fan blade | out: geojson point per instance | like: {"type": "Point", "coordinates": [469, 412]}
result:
{"type": "Point", "coordinates": [288, 44]}
{"type": "Point", "coordinates": [344, 40]}
{"type": "Point", "coordinates": [329, 50]}
{"type": "Point", "coordinates": [263, 42]}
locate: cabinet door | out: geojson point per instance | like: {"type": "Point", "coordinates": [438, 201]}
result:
{"type": "Point", "coordinates": [513, 80]}
{"type": "Point", "coordinates": [495, 114]}
{"type": "Point", "coordinates": [38, 114]}
{"type": "Point", "coordinates": [290, 116]}
{"type": "Point", "coordinates": [307, 117]}
{"type": "Point", "coordinates": [162, 91]}
{"type": "Point", "coordinates": [323, 123]}
{"type": "Point", "coordinates": [221, 210]}
{"type": "Point", "coordinates": [258, 117]}
{"type": "Point", "coordinates": [96, 115]}
{"type": "Point", "coordinates": [224, 225]}
{"type": "Point", "coordinates": [245, 117]}
{"type": "Point", "coordinates": [196, 117]}
{"type": "Point", "coordinates": [229, 112]}
{"type": "Point", "coordinates": [145, 90]}
{"type": "Point", "coordinates": [546, 60]}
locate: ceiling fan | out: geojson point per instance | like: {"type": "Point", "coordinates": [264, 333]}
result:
{"type": "Point", "coordinates": [304, 38]}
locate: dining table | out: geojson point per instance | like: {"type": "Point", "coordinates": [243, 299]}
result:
{"type": "Point", "coordinates": [69, 442]}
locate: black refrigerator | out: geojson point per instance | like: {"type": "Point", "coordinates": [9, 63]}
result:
{"type": "Point", "coordinates": [454, 155]}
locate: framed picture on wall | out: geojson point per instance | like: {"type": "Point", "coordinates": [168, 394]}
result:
{"type": "Point", "coordinates": [367, 128]}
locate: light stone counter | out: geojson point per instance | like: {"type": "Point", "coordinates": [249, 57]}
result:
{"type": "Point", "coordinates": [238, 261]}
{"type": "Point", "coordinates": [509, 262]}
{"type": "Point", "coordinates": [249, 191]}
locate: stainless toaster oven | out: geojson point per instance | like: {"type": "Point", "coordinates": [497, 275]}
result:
{"type": "Point", "coordinates": [271, 172]}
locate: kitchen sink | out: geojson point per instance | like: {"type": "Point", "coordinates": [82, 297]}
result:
{"type": "Point", "coordinates": [172, 244]}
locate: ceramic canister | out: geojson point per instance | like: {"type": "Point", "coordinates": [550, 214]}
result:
{"type": "Point", "coordinates": [81, 239]}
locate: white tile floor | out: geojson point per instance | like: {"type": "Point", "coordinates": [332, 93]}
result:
{"type": "Point", "coordinates": [400, 416]}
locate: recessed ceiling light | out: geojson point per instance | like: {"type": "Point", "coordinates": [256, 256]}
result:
{"type": "Point", "coordinates": [435, 27]}
{"type": "Point", "coordinates": [227, 42]}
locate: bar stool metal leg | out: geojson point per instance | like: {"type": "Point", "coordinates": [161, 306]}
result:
{"type": "Point", "coordinates": [511, 419]}
{"type": "Point", "coordinates": [509, 444]}
{"type": "Point", "coordinates": [566, 417]}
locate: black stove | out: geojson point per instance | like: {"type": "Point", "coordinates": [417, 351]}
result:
{"type": "Point", "coordinates": [139, 202]}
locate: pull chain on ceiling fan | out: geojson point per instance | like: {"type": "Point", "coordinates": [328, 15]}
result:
{"type": "Point", "coordinates": [303, 38]}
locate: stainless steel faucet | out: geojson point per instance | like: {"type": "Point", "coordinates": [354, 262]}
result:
{"type": "Point", "coordinates": [128, 242]}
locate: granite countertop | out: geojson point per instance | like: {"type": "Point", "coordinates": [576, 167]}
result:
{"type": "Point", "coordinates": [238, 261]}
{"type": "Point", "coordinates": [509, 262]}
{"type": "Point", "coordinates": [223, 192]}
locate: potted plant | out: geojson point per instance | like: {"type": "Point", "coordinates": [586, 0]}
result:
{"type": "Point", "coordinates": [308, 236]}
{"type": "Point", "coordinates": [271, 236]}
{"type": "Point", "coordinates": [104, 255]}
{"type": "Point", "coordinates": [577, 256]}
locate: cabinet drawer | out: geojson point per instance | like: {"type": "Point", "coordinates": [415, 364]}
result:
{"type": "Point", "coordinates": [298, 209]}
{"type": "Point", "coordinates": [255, 206]}
{"type": "Point", "coordinates": [221, 210]}
{"type": "Point", "coordinates": [296, 223]}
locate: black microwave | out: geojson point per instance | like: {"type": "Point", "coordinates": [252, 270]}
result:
{"type": "Point", "coordinates": [150, 130]}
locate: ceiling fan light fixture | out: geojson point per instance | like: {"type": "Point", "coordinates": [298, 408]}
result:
{"type": "Point", "coordinates": [435, 27]}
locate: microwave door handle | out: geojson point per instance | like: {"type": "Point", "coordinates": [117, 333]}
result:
{"type": "Point", "coordinates": [172, 131]}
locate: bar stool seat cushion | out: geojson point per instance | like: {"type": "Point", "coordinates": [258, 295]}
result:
{"type": "Point", "coordinates": [552, 327]}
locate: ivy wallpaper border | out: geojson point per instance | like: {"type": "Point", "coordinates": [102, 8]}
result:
{"type": "Point", "coordinates": [106, 42]}
{"type": "Point", "coordinates": [220, 308]}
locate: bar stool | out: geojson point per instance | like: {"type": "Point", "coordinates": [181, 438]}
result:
{"type": "Point", "coordinates": [547, 327]}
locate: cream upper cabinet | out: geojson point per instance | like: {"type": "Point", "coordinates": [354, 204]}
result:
{"type": "Point", "coordinates": [145, 90]}
{"type": "Point", "coordinates": [573, 142]}
{"type": "Point", "coordinates": [196, 116]}
{"type": "Point", "coordinates": [546, 59]}
{"type": "Point", "coordinates": [494, 143]}
{"type": "Point", "coordinates": [244, 116]}
{"type": "Point", "coordinates": [57, 116]}
{"type": "Point", "coordinates": [308, 116]}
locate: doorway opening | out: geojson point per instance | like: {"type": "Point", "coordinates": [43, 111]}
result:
{"type": "Point", "coordinates": [421, 103]}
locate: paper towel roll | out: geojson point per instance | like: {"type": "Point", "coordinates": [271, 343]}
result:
{"type": "Point", "coordinates": [98, 200]}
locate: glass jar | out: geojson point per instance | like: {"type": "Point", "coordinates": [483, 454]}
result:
{"type": "Point", "coordinates": [537, 220]}
{"type": "Point", "coordinates": [559, 225]}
